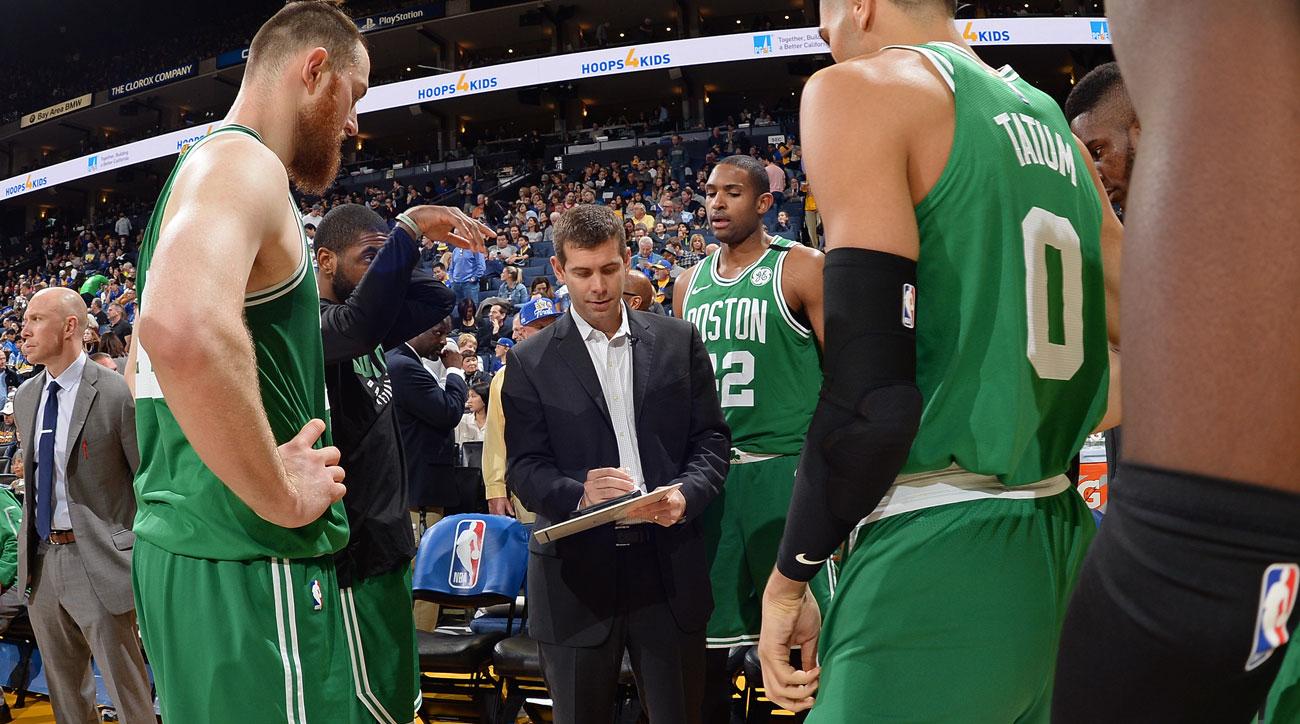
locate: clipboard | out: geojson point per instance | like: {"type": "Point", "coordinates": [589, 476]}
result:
{"type": "Point", "coordinates": [611, 514]}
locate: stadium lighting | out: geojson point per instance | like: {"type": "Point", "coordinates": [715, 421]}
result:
{"type": "Point", "coordinates": [737, 21]}
{"type": "Point", "coordinates": [787, 17]}
{"type": "Point", "coordinates": [510, 50]}
{"type": "Point", "coordinates": [622, 35]}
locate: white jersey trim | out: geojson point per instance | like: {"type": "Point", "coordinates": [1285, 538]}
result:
{"type": "Point", "coordinates": [940, 63]}
{"type": "Point", "coordinates": [955, 485]}
{"type": "Point", "coordinates": [779, 289]}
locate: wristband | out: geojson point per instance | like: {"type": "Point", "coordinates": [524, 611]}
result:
{"type": "Point", "coordinates": [414, 227]}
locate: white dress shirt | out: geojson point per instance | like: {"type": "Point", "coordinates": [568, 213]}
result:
{"type": "Point", "coordinates": [612, 358]}
{"type": "Point", "coordinates": [69, 381]}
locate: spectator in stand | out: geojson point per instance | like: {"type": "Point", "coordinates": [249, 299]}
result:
{"type": "Point", "coordinates": [640, 218]}
{"type": "Point", "coordinates": [90, 339]}
{"type": "Point", "coordinates": [811, 219]}
{"type": "Point", "coordinates": [465, 321]}
{"type": "Point", "coordinates": [474, 372]}
{"type": "Point", "coordinates": [700, 220]}
{"type": "Point", "coordinates": [667, 214]}
{"type": "Point", "coordinates": [428, 254]}
{"type": "Point", "coordinates": [663, 285]}
{"type": "Point", "coordinates": [113, 346]}
{"type": "Point", "coordinates": [782, 227]}
{"type": "Point", "coordinates": [315, 216]}
{"type": "Point", "coordinates": [467, 267]}
{"type": "Point", "coordinates": [499, 352]}
{"type": "Point", "coordinates": [8, 434]}
{"type": "Point", "coordinates": [122, 227]}
{"type": "Point", "coordinates": [503, 250]}
{"type": "Point", "coordinates": [776, 180]}
{"type": "Point", "coordinates": [494, 327]}
{"type": "Point", "coordinates": [548, 234]}
{"type": "Point", "coordinates": [310, 230]}
{"type": "Point", "coordinates": [511, 287]}
{"type": "Point", "coordinates": [645, 257]}
{"type": "Point", "coordinates": [473, 424]}
{"type": "Point", "coordinates": [440, 273]}
{"type": "Point", "coordinates": [694, 254]}
{"type": "Point", "coordinates": [117, 322]}
{"type": "Point", "coordinates": [689, 203]}
{"type": "Point", "coordinates": [524, 254]}
{"type": "Point", "coordinates": [677, 159]}
{"type": "Point", "coordinates": [541, 287]}
{"type": "Point", "coordinates": [467, 344]}
{"type": "Point", "coordinates": [532, 232]}
{"type": "Point", "coordinates": [660, 235]}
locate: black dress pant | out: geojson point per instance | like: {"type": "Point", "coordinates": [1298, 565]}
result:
{"type": "Point", "coordinates": [668, 663]}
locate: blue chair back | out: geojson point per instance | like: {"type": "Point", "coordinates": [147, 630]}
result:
{"type": "Point", "coordinates": [471, 560]}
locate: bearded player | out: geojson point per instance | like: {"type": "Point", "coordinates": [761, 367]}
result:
{"type": "Point", "coordinates": [239, 506]}
{"type": "Point", "coordinates": [1187, 597]}
{"type": "Point", "coordinates": [758, 306]}
{"type": "Point", "coordinates": [965, 364]}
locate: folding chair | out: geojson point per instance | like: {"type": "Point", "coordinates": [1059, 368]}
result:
{"type": "Point", "coordinates": [466, 561]}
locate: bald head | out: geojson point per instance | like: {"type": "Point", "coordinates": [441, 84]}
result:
{"type": "Point", "coordinates": [639, 285]}
{"type": "Point", "coordinates": [62, 301]}
{"type": "Point", "coordinates": [53, 325]}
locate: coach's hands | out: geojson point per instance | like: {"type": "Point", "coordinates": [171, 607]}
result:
{"type": "Point", "coordinates": [790, 618]}
{"type": "Point", "coordinates": [665, 512]}
{"type": "Point", "coordinates": [444, 223]}
{"type": "Point", "coordinates": [315, 480]}
{"type": "Point", "coordinates": [605, 484]}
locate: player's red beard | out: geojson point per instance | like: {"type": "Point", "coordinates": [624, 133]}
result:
{"type": "Point", "coordinates": [319, 143]}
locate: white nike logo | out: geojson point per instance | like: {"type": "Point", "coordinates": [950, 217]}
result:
{"type": "Point", "coordinates": [800, 558]}
{"type": "Point", "coordinates": [700, 289]}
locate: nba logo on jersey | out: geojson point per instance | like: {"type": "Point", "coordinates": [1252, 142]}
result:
{"type": "Point", "coordinates": [467, 555]}
{"type": "Point", "coordinates": [1276, 599]}
{"type": "Point", "coordinates": [909, 306]}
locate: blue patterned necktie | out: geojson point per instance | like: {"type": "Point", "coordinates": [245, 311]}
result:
{"type": "Point", "coordinates": [45, 463]}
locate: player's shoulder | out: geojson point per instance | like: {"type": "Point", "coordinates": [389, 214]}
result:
{"type": "Point", "coordinates": [233, 163]}
{"type": "Point", "coordinates": [892, 82]}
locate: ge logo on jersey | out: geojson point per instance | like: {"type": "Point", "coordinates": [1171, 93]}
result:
{"type": "Point", "coordinates": [761, 276]}
{"type": "Point", "coordinates": [1277, 594]}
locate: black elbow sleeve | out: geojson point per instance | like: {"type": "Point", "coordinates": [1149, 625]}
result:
{"type": "Point", "coordinates": [869, 410]}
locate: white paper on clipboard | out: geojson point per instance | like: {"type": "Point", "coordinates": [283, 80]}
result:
{"type": "Point", "coordinates": [612, 514]}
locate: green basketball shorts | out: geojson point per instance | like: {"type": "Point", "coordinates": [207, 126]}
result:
{"type": "Point", "coordinates": [953, 613]}
{"type": "Point", "coordinates": [743, 528]}
{"type": "Point", "coordinates": [255, 642]}
{"type": "Point", "coordinates": [382, 649]}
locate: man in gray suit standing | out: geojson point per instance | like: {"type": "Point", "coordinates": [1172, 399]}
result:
{"type": "Point", "coordinates": [76, 421]}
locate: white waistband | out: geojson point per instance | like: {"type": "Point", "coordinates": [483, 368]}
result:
{"type": "Point", "coordinates": [740, 457]}
{"type": "Point", "coordinates": [955, 485]}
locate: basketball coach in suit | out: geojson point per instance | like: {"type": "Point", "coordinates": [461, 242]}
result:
{"type": "Point", "coordinates": [601, 402]}
{"type": "Point", "coordinates": [76, 421]}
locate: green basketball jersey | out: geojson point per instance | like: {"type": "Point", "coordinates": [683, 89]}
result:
{"type": "Point", "coordinates": [765, 361]}
{"type": "Point", "coordinates": [1010, 311]}
{"type": "Point", "coordinates": [184, 508]}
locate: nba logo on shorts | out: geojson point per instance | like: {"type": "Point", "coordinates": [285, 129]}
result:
{"type": "Point", "coordinates": [469, 551]}
{"type": "Point", "coordinates": [1276, 599]}
{"type": "Point", "coordinates": [909, 306]}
